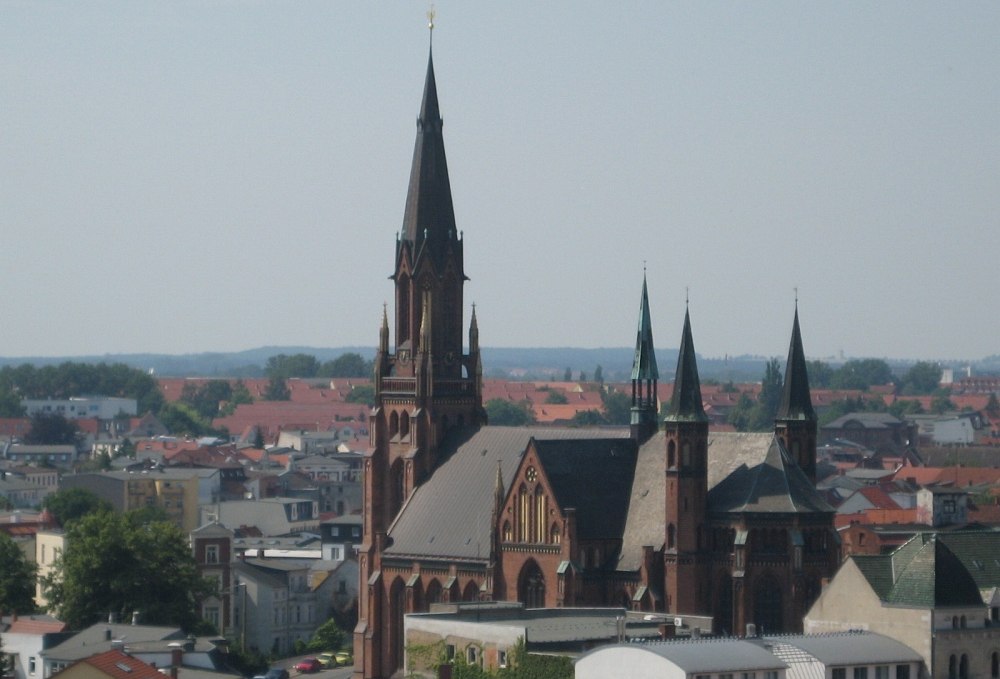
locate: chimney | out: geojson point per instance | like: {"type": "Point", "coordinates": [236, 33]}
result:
{"type": "Point", "coordinates": [176, 658]}
{"type": "Point", "coordinates": [668, 630]}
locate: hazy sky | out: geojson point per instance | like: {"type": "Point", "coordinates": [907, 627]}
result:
{"type": "Point", "coordinates": [212, 176]}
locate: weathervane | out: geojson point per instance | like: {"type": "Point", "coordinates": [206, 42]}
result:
{"type": "Point", "coordinates": [430, 19]}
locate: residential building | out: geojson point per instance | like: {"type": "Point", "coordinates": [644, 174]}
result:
{"type": "Point", "coordinates": [272, 516]}
{"type": "Point", "coordinates": [936, 593]}
{"type": "Point", "coordinates": [57, 455]}
{"type": "Point", "coordinates": [99, 407]}
{"type": "Point", "coordinates": [24, 639]}
{"type": "Point", "coordinates": [212, 547]}
{"type": "Point", "coordinates": [49, 546]}
{"type": "Point", "coordinates": [99, 638]}
{"type": "Point", "coordinates": [277, 602]}
{"type": "Point", "coordinates": [178, 492]}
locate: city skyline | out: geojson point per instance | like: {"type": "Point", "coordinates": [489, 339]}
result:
{"type": "Point", "coordinates": [188, 177]}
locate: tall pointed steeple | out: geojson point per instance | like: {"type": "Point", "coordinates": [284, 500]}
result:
{"type": "Point", "coordinates": [685, 404]}
{"type": "Point", "coordinates": [429, 217]}
{"type": "Point", "coordinates": [795, 422]}
{"type": "Point", "coordinates": [644, 374]}
{"type": "Point", "coordinates": [796, 402]}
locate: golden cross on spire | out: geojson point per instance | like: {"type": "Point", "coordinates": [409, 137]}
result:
{"type": "Point", "coordinates": [430, 18]}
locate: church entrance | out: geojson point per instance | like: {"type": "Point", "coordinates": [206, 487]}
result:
{"type": "Point", "coordinates": [531, 586]}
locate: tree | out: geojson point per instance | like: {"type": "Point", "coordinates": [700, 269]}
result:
{"type": "Point", "coordinates": [588, 418]}
{"type": "Point", "coordinates": [820, 374]}
{"type": "Point", "coordinates": [504, 413]}
{"type": "Point", "coordinates": [277, 390]}
{"type": "Point", "coordinates": [328, 637]}
{"type": "Point", "coordinates": [347, 365]}
{"type": "Point", "coordinates": [599, 374]}
{"type": "Point", "coordinates": [17, 578]}
{"type": "Point", "coordinates": [941, 402]}
{"type": "Point", "coordinates": [298, 365]}
{"type": "Point", "coordinates": [51, 429]}
{"type": "Point", "coordinates": [583, 376]}
{"type": "Point", "coordinates": [568, 375]}
{"type": "Point", "coordinates": [617, 407]}
{"type": "Point", "coordinates": [363, 393]}
{"type": "Point", "coordinates": [861, 374]}
{"type": "Point", "coordinates": [10, 403]}
{"type": "Point", "coordinates": [556, 397]}
{"type": "Point", "coordinates": [69, 504]}
{"type": "Point", "coordinates": [117, 563]}
{"type": "Point", "coordinates": [922, 378]}
{"type": "Point", "coordinates": [992, 405]}
{"type": "Point", "coordinates": [759, 414]}
{"type": "Point", "coordinates": [180, 418]}
{"type": "Point", "coordinates": [207, 398]}
{"type": "Point", "coordinates": [902, 407]}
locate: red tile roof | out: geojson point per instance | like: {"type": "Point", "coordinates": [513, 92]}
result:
{"type": "Point", "coordinates": [117, 665]}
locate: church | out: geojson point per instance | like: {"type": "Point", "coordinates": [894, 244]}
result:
{"type": "Point", "coordinates": [661, 516]}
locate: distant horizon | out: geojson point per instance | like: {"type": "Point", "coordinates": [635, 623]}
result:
{"type": "Point", "coordinates": [337, 350]}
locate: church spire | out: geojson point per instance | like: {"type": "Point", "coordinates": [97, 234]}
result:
{"type": "Point", "coordinates": [685, 404]}
{"type": "Point", "coordinates": [796, 402]}
{"type": "Point", "coordinates": [644, 374]}
{"type": "Point", "coordinates": [644, 362]}
{"type": "Point", "coordinates": [429, 217]}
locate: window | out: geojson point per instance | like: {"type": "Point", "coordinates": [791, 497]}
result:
{"type": "Point", "coordinates": [726, 676]}
{"type": "Point", "coordinates": [502, 658]}
{"type": "Point", "coordinates": [771, 674]}
{"type": "Point", "coordinates": [748, 675]}
{"type": "Point", "coordinates": [212, 554]}
{"type": "Point", "coordinates": [839, 673]}
{"type": "Point", "coordinates": [881, 672]}
{"type": "Point", "coordinates": [902, 672]}
{"type": "Point", "coordinates": [472, 655]}
{"type": "Point", "coordinates": [211, 615]}
{"type": "Point", "coordinates": [31, 665]}
{"type": "Point", "coordinates": [450, 651]}
{"type": "Point", "coordinates": [860, 673]}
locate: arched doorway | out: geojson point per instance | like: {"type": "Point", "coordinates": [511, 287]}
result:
{"type": "Point", "coordinates": [767, 605]}
{"type": "Point", "coordinates": [394, 625]}
{"type": "Point", "coordinates": [531, 586]}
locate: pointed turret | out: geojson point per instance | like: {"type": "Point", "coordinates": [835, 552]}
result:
{"type": "Point", "coordinates": [796, 402]}
{"type": "Point", "coordinates": [796, 422]}
{"type": "Point", "coordinates": [429, 218]}
{"type": "Point", "coordinates": [644, 374]}
{"type": "Point", "coordinates": [685, 404]}
{"type": "Point", "coordinates": [383, 334]}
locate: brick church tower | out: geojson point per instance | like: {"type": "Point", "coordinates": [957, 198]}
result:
{"type": "Point", "coordinates": [686, 433]}
{"type": "Point", "coordinates": [425, 385]}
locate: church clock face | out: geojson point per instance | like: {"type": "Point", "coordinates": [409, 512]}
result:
{"type": "Point", "coordinates": [531, 474]}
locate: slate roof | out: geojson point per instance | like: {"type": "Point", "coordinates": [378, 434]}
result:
{"type": "Point", "coordinates": [645, 523]}
{"type": "Point", "coordinates": [775, 485]}
{"type": "Point", "coordinates": [644, 362]}
{"type": "Point", "coordinates": [685, 402]}
{"type": "Point", "coordinates": [449, 516]}
{"type": "Point", "coordinates": [98, 637]}
{"type": "Point", "coordinates": [936, 570]}
{"type": "Point", "coordinates": [727, 453]}
{"type": "Point", "coordinates": [592, 476]}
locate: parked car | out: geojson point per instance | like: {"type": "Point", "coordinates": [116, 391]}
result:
{"type": "Point", "coordinates": [345, 657]}
{"type": "Point", "coordinates": [307, 665]}
{"type": "Point", "coordinates": [274, 673]}
{"type": "Point", "coordinates": [328, 660]}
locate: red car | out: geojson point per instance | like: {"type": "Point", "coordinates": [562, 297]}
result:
{"type": "Point", "coordinates": [308, 665]}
